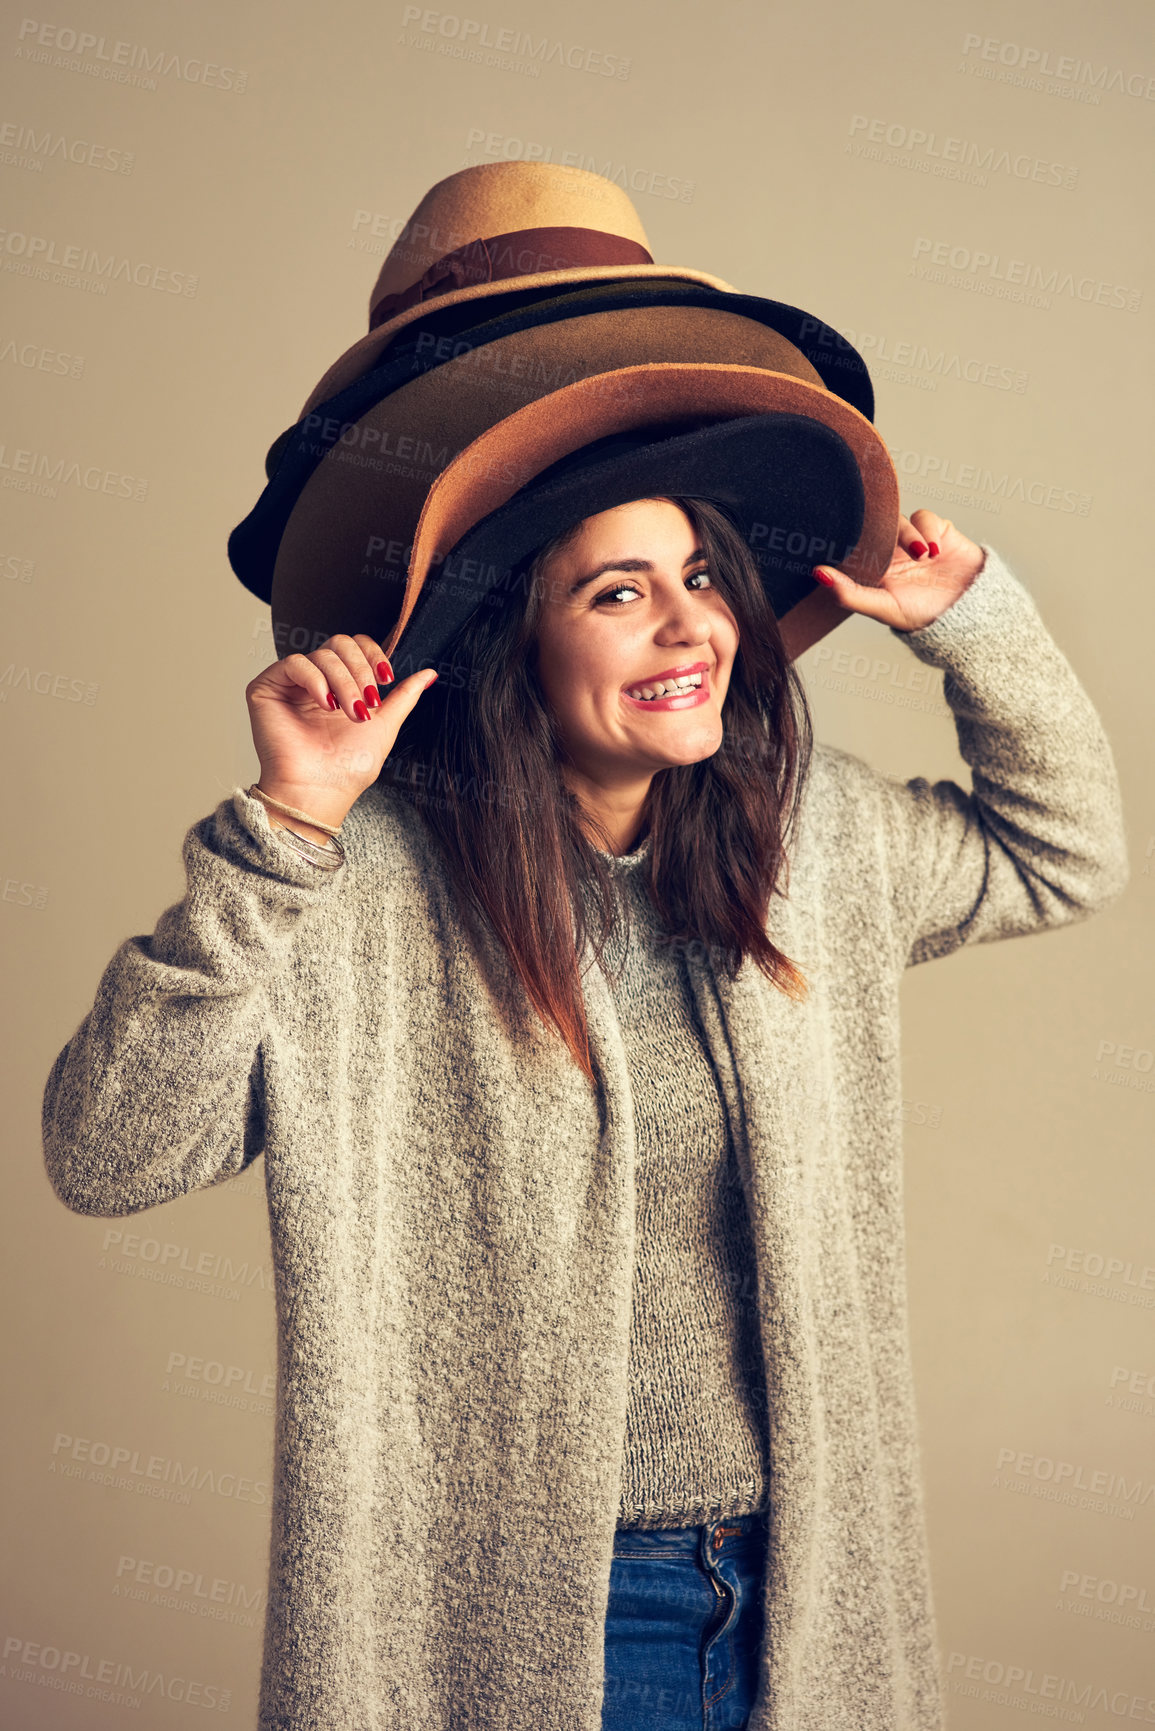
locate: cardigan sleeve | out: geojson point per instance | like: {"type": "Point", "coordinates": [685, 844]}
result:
{"type": "Point", "coordinates": [159, 1091]}
{"type": "Point", "coordinates": [1039, 842]}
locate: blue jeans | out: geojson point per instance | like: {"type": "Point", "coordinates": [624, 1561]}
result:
{"type": "Point", "coordinates": [684, 1626]}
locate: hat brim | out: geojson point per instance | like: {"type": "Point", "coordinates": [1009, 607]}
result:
{"type": "Point", "coordinates": [789, 483]}
{"type": "Point", "coordinates": [507, 459]}
{"type": "Point", "coordinates": [364, 354]}
{"type": "Point", "coordinates": [356, 471]}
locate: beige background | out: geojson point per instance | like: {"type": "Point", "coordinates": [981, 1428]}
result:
{"type": "Point", "coordinates": [128, 643]}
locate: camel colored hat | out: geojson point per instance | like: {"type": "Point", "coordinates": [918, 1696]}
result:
{"type": "Point", "coordinates": [499, 228]}
{"type": "Point", "coordinates": [547, 284]}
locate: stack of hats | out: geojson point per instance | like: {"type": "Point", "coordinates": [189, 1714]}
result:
{"type": "Point", "coordinates": [528, 364]}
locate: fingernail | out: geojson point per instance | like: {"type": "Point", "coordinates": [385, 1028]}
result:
{"type": "Point", "coordinates": [917, 549]}
{"type": "Point", "coordinates": [371, 697]}
{"type": "Point", "coordinates": [384, 673]}
{"type": "Point", "coordinates": [360, 711]}
{"type": "Point", "coordinates": [429, 681]}
{"type": "Point", "coordinates": [823, 577]}
{"type": "Point", "coordinates": [934, 549]}
{"type": "Point", "coordinates": [330, 700]}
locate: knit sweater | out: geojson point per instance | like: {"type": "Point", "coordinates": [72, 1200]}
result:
{"type": "Point", "coordinates": [696, 1446]}
{"type": "Point", "coordinates": [452, 1212]}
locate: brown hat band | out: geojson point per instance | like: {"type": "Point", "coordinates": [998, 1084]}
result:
{"type": "Point", "coordinates": [522, 252]}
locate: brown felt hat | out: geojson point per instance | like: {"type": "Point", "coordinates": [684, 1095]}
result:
{"type": "Point", "coordinates": [501, 330]}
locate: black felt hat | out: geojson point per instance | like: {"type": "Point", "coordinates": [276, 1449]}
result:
{"type": "Point", "coordinates": [789, 484]}
{"type": "Point", "coordinates": [803, 476]}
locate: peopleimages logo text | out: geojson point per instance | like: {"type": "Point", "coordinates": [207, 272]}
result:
{"type": "Point", "coordinates": [1020, 272]}
{"type": "Point", "coordinates": [121, 58]}
{"type": "Point", "coordinates": [39, 251]}
{"type": "Point", "coordinates": [474, 33]}
{"type": "Point", "coordinates": [1066, 68]}
{"type": "Point", "coordinates": [36, 148]}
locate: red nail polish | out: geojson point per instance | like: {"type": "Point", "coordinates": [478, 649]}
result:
{"type": "Point", "coordinates": [330, 700]}
{"type": "Point", "coordinates": [360, 711]}
{"type": "Point", "coordinates": [821, 577]}
{"type": "Point", "coordinates": [384, 673]}
{"type": "Point", "coordinates": [371, 697]}
{"type": "Point", "coordinates": [917, 549]}
{"type": "Point", "coordinates": [934, 549]}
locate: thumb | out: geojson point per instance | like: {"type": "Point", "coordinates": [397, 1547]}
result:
{"type": "Point", "coordinates": [398, 703]}
{"type": "Point", "coordinates": [403, 696]}
{"type": "Point", "coordinates": [416, 682]}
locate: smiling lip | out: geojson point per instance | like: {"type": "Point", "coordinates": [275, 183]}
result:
{"type": "Point", "coordinates": [686, 700]}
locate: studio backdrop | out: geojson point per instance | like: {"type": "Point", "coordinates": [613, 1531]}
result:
{"type": "Point", "coordinates": [197, 202]}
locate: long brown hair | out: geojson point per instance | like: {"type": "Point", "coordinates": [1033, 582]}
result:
{"type": "Point", "coordinates": [481, 756]}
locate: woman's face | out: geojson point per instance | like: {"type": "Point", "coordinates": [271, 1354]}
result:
{"type": "Point", "coordinates": [627, 601]}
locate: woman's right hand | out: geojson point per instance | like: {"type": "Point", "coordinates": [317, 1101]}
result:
{"type": "Point", "coordinates": [320, 754]}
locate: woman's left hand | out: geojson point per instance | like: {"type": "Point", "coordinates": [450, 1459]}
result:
{"type": "Point", "coordinates": [932, 565]}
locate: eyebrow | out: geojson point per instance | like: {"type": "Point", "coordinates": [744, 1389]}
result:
{"type": "Point", "coordinates": [629, 565]}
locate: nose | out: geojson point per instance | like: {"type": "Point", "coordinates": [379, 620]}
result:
{"type": "Point", "coordinates": [686, 620]}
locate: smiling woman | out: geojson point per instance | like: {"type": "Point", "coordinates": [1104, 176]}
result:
{"type": "Point", "coordinates": [540, 749]}
{"type": "Point", "coordinates": [598, 640]}
{"type": "Point", "coordinates": [588, 1234]}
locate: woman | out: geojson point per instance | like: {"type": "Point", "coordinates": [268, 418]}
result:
{"type": "Point", "coordinates": [594, 1394]}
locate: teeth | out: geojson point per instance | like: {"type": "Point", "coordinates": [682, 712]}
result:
{"type": "Point", "coordinates": [666, 687]}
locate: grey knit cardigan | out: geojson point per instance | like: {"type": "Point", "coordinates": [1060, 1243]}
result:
{"type": "Point", "coordinates": [451, 1206]}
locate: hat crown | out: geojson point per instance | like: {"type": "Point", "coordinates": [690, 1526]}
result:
{"type": "Point", "coordinates": [501, 198]}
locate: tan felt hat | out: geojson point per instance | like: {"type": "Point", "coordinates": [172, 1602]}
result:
{"type": "Point", "coordinates": [494, 229]}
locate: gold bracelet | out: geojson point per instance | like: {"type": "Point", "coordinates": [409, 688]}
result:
{"type": "Point", "coordinates": [291, 811]}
